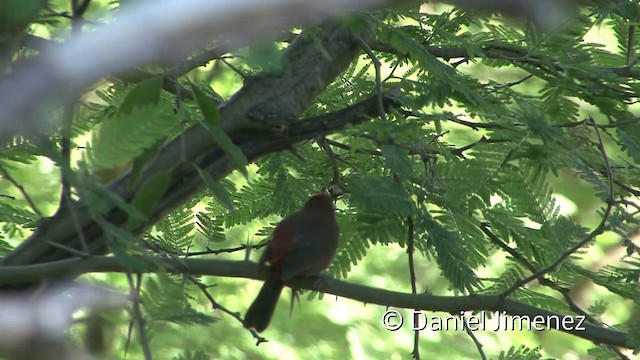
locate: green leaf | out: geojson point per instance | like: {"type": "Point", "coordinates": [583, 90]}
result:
{"type": "Point", "coordinates": [5, 247]}
{"type": "Point", "coordinates": [358, 23]}
{"type": "Point", "coordinates": [18, 216]}
{"type": "Point", "coordinates": [140, 162]}
{"type": "Point", "coordinates": [128, 135]}
{"type": "Point", "coordinates": [265, 56]}
{"type": "Point", "coordinates": [225, 143]}
{"type": "Point", "coordinates": [452, 255]}
{"type": "Point", "coordinates": [144, 93]}
{"type": "Point", "coordinates": [148, 196]}
{"type": "Point", "coordinates": [211, 228]}
{"type": "Point", "coordinates": [397, 160]}
{"type": "Point", "coordinates": [212, 124]}
{"type": "Point", "coordinates": [521, 353]}
{"type": "Point", "coordinates": [379, 194]}
{"type": "Point", "coordinates": [15, 13]}
{"type": "Point", "coordinates": [216, 188]}
{"type": "Point", "coordinates": [208, 108]}
{"type": "Point", "coordinates": [628, 140]}
{"type": "Point", "coordinates": [165, 299]}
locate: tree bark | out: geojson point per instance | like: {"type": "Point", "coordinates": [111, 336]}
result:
{"type": "Point", "coordinates": [261, 118]}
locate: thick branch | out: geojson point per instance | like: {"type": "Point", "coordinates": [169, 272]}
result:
{"type": "Point", "coordinates": [274, 96]}
{"type": "Point", "coordinates": [185, 181]}
{"type": "Point", "coordinates": [136, 38]}
{"type": "Point", "coordinates": [243, 269]}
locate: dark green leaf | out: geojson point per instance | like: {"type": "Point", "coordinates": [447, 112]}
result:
{"type": "Point", "coordinates": [397, 160]}
{"type": "Point", "coordinates": [225, 143]}
{"type": "Point", "coordinates": [380, 194]}
{"type": "Point", "coordinates": [140, 162]}
{"type": "Point", "coordinates": [216, 188]}
{"type": "Point", "coordinates": [206, 106]}
{"type": "Point", "coordinates": [148, 196]}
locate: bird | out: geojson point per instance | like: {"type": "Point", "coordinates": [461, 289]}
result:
{"type": "Point", "coordinates": [302, 244]}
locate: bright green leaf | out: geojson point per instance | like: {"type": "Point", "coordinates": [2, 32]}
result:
{"type": "Point", "coordinates": [144, 93]}
{"type": "Point", "coordinates": [128, 136]}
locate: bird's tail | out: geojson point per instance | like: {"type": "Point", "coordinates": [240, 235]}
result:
{"type": "Point", "coordinates": [262, 309]}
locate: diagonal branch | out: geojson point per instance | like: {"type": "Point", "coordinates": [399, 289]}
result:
{"type": "Point", "coordinates": [185, 181]}
{"type": "Point", "coordinates": [136, 38]}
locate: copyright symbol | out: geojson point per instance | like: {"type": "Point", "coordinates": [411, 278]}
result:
{"type": "Point", "coordinates": [392, 320]}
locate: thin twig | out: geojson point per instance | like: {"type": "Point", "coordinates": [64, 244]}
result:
{"type": "Point", "coordinates": [410, 251]}
{"type": "Point", "coordinates": [543, 280]}
{"type": "Point", "coordinates": [592, 235]}
{"type": "Point", "coordinates": [391, 74]}
{"type": "Point", "coordinates": [137, 315]}
{"type": "Point", "coordinates": [617, 182]}
{"type": "Point", "coordinates": [232, 67]}
{"type": "Point", "coordinates": [473, 337]}
{"type": "Point", "coordinates": [129, 336]}
{"type": "Point", "coordinates": [600, 126]}
{"type": "Point", "coordinates": [20, 188]}
{"type": "Point", "coordinates": [607, 165]}
{"type": "Point", "coordinates": [618, 352]}
{"type": "Point", "coordinates": [216, 306]}
{"type": "Point", "coordinates": [67, 248]}
{"type": "Point", "coordinates": [65, 151]}
{"type": "Point", "coordinates": [225, 250]}
{"type": "Point", "coordinates": [337, 178]}
{"type": "Point", "coordinates": [77, 10]}
{"type": "Point", "coordinates": [376, 65]}
{"type": "Point", "coordinates": [514, 83]}
{"type": "Point", "coordinates": [459, 152]}
{"type": "Point", "coordinates": [412, 277]}
{"type": "Point", "coordinates": [76, 223]}
{"type": "Point", "coordinates": [349, 147]}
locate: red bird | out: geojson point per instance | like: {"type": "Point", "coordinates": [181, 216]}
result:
{"type": "Point", "coordinates": [303, 243]}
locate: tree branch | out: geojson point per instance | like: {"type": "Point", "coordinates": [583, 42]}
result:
{"type": "Point", "coordinates": [520, 58]}
{"type": "Point", "coordinates": [249, 270]}
{"type": "Point", "coordinates": [64, 70]}
{"type": "Point", "coordinates": [185, 181]}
